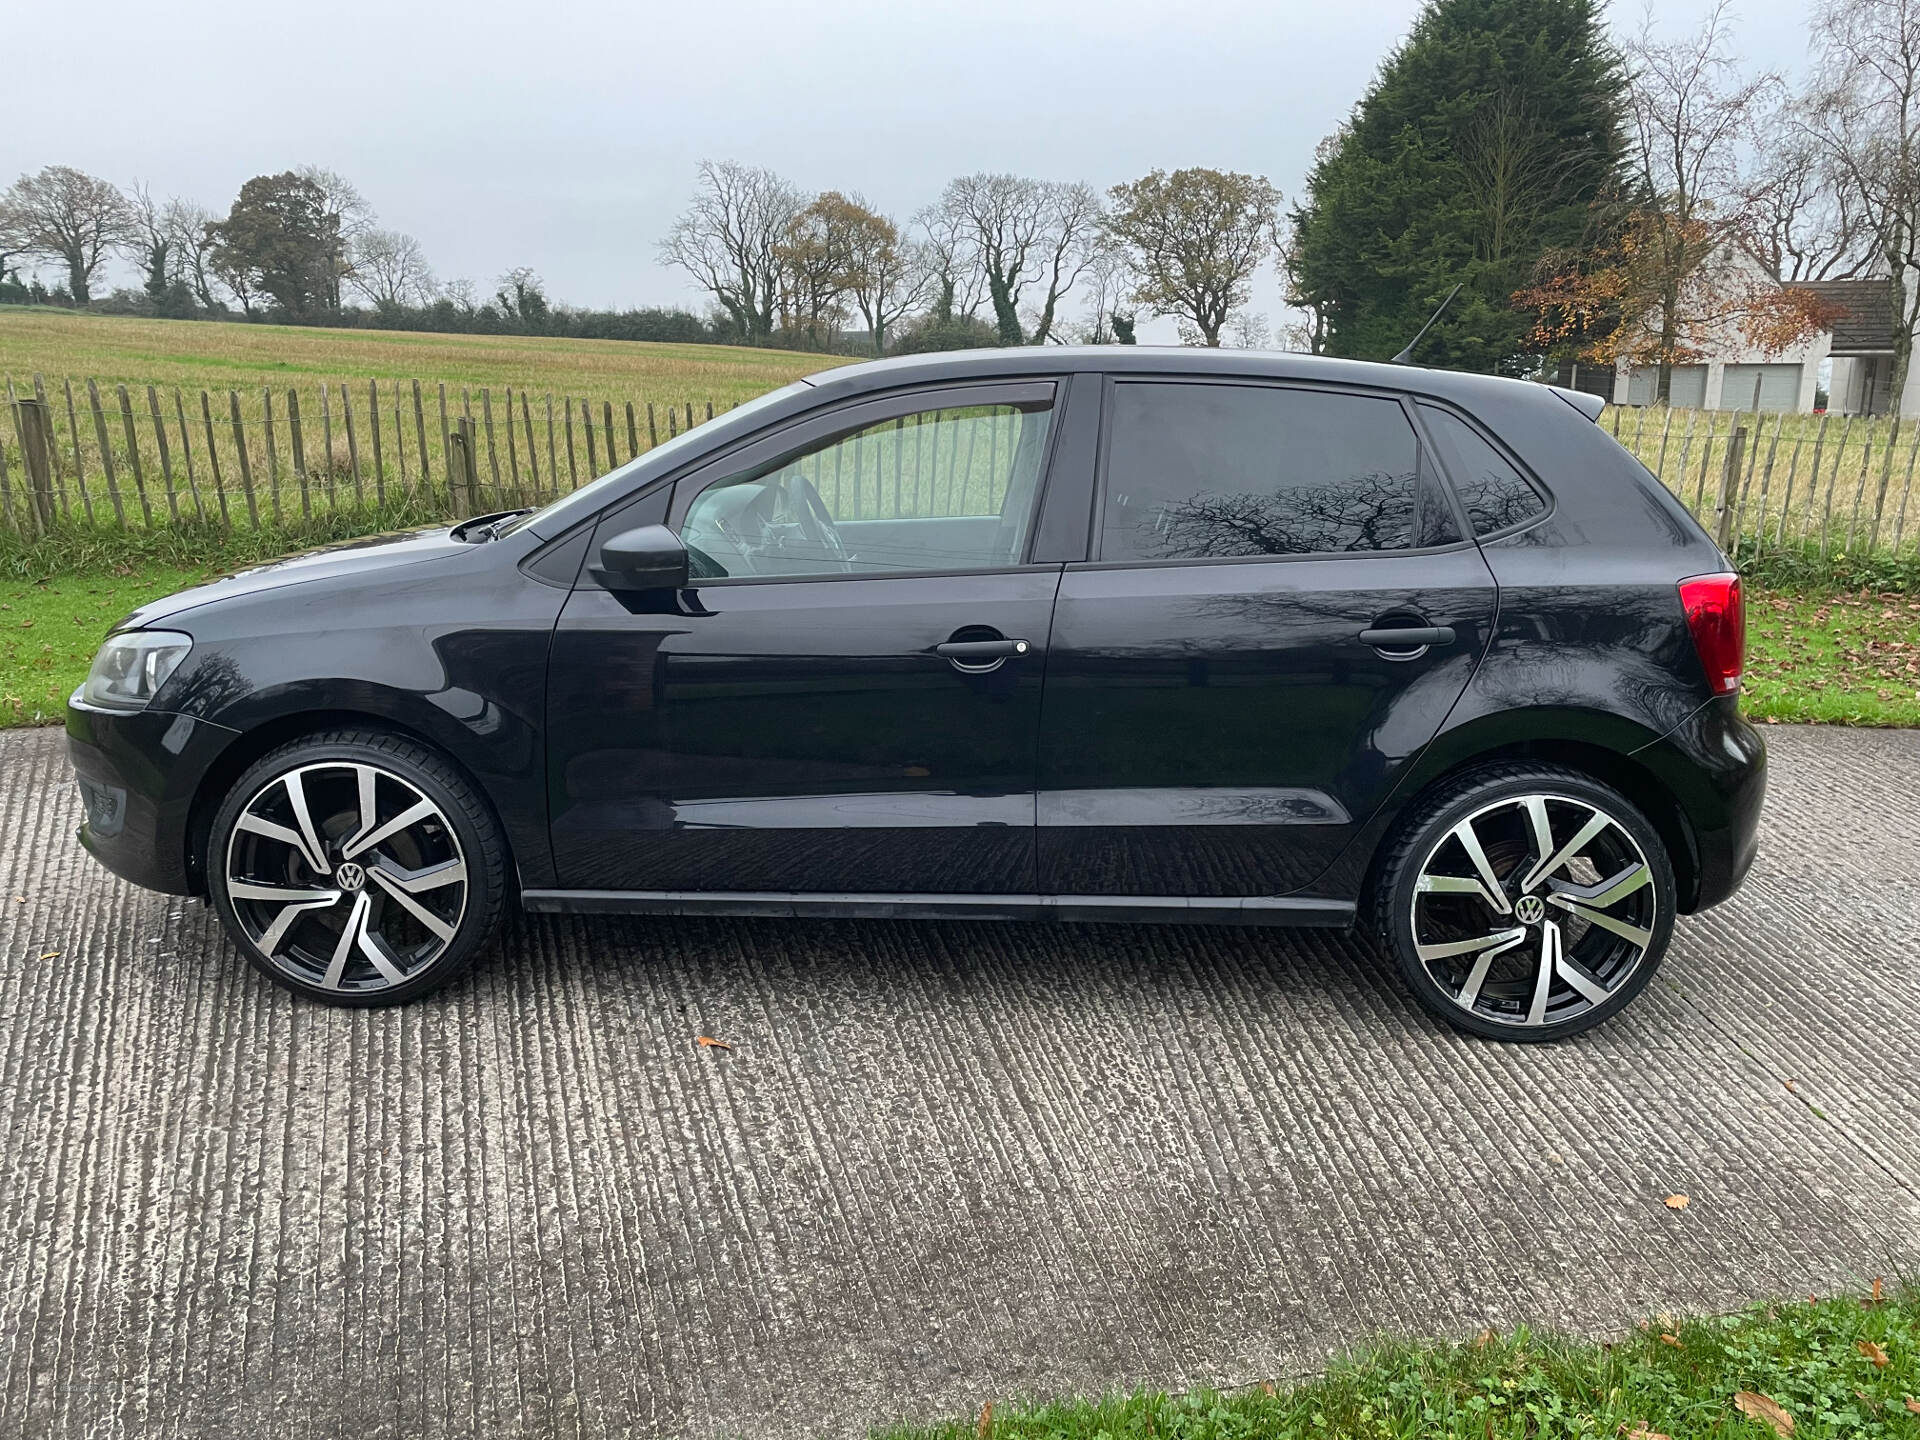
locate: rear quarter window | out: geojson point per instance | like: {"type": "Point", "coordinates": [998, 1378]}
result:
{"type": "Point", "coordinates": [1492, 491]}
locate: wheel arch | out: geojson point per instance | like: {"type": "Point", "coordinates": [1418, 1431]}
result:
{"type": "Point", "coordinates": [270, 735]}
{"type": "Point", "coordinates": [1617, 767]}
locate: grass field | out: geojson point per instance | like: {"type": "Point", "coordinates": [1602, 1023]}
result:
{"type": "Point", "coordinates": [1839, 1367]}
{"type": "Point", "coordinates": [191, 354]}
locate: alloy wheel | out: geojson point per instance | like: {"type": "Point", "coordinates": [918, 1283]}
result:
{"type": "Point", "coordinates": [346, 876]}
{"type": "Point", "coordinates": [1534, 910]}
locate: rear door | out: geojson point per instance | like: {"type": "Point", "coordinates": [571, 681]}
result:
{"type": "Point", "coordinates": [1227, 699]}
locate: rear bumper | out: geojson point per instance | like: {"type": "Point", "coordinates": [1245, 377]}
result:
{"type": "Point", "coordinates": [138, 774]}
{"type": "Point", "coordinates": [1715, 765]}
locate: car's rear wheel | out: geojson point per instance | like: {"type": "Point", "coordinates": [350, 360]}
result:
{"type": "Point", "coordinates": [1526, 902]}
{"type": "Point", "coordinates": [357, 867]}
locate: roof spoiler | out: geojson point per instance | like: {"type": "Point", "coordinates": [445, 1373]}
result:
{"type": "Point", "coordinates": [1588, 405]}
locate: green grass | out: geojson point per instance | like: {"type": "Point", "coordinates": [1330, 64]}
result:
{"type": "Point", "coordinates": [49, 630]}
{"type": "Point", "coordinates": [1849, 659]}
{"type": "Point", "coordinates": [1669, 1379]}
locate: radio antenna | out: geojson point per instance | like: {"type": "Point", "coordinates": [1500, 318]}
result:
{"type": "Point", "coordinates": [1405, 357]}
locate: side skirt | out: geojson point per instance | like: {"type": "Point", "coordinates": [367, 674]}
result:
{"type": "Point", "coordinates": [1186, 910]}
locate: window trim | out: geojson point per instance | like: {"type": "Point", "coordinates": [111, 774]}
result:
{"type": "Point", "coordinates": [1452, 466]}
{"type": "Point", "coordinates": [1097, 537]}
{"type": "Point", "coordinates": [812, 431]}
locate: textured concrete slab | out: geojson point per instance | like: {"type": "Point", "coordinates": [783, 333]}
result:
{"type": "Point", "coordinates": [942, 1162]}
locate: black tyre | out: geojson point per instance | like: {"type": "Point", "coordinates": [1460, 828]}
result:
{"type": "Point", "coordinates": [357, 867]}
{"type": "Point", "coordinates": [1526, 902]}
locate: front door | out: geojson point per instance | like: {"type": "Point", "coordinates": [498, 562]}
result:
{"type": "Point", "coordinates": [847, 698]}
{"type": "Point", "coordinates": [1227, 701]}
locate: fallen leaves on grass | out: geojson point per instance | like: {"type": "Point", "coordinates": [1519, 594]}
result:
{"type": "Point", "coordinates": [1873, 1352]}
{"type": "Point", "coordinates": [1673, 1340]}
{"type": "Point", "coordinates": [986, 1420]}
{"type": "Point", "coordinates": [1678, 1202]}
{"type": "Point", "coordinates": [1764, 1409]}
{"type": "Point", "coordinates": [1913, 1405]}
{"type": "Point", "coordinates": [1642, 1431]}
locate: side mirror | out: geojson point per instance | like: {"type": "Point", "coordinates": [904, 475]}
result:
{"type": "Point", "coordinates": [648, 557]}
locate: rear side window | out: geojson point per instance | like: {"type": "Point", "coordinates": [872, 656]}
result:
{"type": "Point", "coordinates": [1493, 493]}
{"type": "Point", "coordinates": [1211, 471]}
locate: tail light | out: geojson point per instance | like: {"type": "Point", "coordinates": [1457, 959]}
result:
{"type": "Point", "coordinates": [1717, 617]}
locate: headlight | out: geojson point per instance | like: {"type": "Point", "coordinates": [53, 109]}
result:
{"type": "Point", "coordinates": [131, 667]}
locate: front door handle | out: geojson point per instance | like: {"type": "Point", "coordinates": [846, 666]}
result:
{"type": "Point", "coordinates": [979, 652]}
{"type": "Point", "coordinates": [1412, 637]}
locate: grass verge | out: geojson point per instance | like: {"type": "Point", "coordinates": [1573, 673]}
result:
{"type": "Point", "coordinates": [1812, 1369]}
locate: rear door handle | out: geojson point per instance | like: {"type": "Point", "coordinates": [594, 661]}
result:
{"type": "Point", "coordinates": [1412, 637]}
{"type": "Point", "coordinates": [974, 652]}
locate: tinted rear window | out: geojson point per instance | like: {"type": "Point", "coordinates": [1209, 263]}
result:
{"type": "Point", "coordinates": [1494, 494]}
{"type": "Point", "coordinates": [1205, 471]}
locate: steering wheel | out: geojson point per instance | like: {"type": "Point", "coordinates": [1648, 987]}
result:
{"type": "Point", "coordinates": [816, 521]}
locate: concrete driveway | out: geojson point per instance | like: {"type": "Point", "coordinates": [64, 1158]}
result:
{"type": "Point", "coordinates": [941, 1163]}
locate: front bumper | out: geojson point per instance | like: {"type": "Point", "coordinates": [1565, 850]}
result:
{"type": "Point", "coordinates": [138, 774]}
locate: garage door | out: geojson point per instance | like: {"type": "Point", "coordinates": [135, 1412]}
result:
{"type": "Point", "coordinates": [1779, 387]}
{"type": "Point", "coordinates": [1689, 386]}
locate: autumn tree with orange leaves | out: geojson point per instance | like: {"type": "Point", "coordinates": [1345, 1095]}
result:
{"type": "Point", "coordinates": [1666, 282]}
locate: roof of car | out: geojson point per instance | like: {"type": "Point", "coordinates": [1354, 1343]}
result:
{"type": "Point", "coordinates": [1160, 360]}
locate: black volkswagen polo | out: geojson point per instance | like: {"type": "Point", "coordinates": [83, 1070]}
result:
{"type": "Point", "coordinates": [1103, 634]}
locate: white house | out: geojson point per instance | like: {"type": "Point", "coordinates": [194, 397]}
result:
{"type": "Point", "coordinates": [1859, 345]}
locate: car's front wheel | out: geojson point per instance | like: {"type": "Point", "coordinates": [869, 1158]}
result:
{"type": "Point", "coordinates": [1526, 902]}
{"type": "Point", "coordinates": [357, 867]}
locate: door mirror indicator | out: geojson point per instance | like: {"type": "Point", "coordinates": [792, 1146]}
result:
{"type": "Point", "coordinates": [647, 557]}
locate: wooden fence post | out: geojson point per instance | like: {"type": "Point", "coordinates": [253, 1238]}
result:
{"type": "Point", "coordinates": [6, 481]}
{"type": "Point", "coordinates": [299, 451]}
{"type": "Point", "coordinates": [36, 448]}
{"type": "Point", "coordinates": [53, 448]}
{"type": "Point", "coordinates": [1722, 511]}
{"type": "Point", "coordinates": [79, 466]}
{"type": "Point", "coordinates": [273, 451]}
{"type": "Point", "coordinates": [133, 453]}
{"type": "Point", "coordinates": [533, 451]}
{"type": "Point", "coordinates": [106, 454]}
{"type": "Point", "coordinates": [246, 461]}
{"type": "Point", "coordinates": [462, 470]}
{"type": "Point", "coordinates": [166, 457]}
{"type": "Point", "coordinates": [373, 424]}
{"type": "Point", "coordinates": [353, 444]}
{"type": "Point", "coordinates": [186, 453]}
{"type": "Point", "coordinates": [213, 458]}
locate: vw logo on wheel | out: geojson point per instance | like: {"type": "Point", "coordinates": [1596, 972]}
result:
{"type": "Point", "coordinates": [351, 876]}
{"type": "Point", "coordinates": [1528, 909]}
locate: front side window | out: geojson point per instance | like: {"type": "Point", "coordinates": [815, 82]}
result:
{"type": "Point", "coordinates": [947, 489]}
{"type": "Point", "coordinates": [1212, 471]}
{"type": "Point", "coordinates": [1493, 493]}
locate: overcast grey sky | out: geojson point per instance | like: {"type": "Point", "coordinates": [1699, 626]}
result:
{"type": "Point", "coordinates": [565, 135]}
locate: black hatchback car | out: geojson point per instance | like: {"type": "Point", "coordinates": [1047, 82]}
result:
{"type": "Point", "coordinates": [1101, 634]}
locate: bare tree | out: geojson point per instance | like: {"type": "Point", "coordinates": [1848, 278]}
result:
{"type": "Point", "coordinates": [1107, 282]}
{"type": "Point", "coordinates": [150, 242]}
{"type": "Point", "coordinates": [1866, 115]}
{"type": "Point", "coordinates": [67, 215]}
{"type": "Point", "coordinates": [1248, 331]}
{"type": "Point", "coordinates": [390, 269]}
{"type": "Point", "coordinates": [1195, 237]}
{"type": "Point", "coordinates": [1799, 218]}
{"type": "Point", "coordinates": [352, 215]}
{"type": "Point", "coordinates": [1690, 110]}
{"type": "Point", "coordinates": [1513, 165]}
{"type": "Point", "coordinates": [955, 284]}
{"type": "Point", "coordinates": [729, 240]}
{"type": "Point", "coordinates": [1024, 233]}
{"type": "Point", "coordinates": [188, 224]}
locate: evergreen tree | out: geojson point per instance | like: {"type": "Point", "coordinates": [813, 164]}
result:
{"type": "Point", "coordinates": [1479, 148]}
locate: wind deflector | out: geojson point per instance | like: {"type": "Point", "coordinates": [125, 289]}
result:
{"type": "Point", "coordinates": [1588, 405]}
